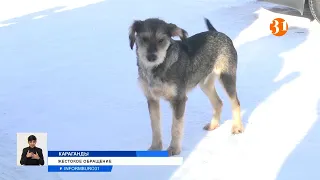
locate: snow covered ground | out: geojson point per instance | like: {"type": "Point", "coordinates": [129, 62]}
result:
{"type": "Point", "coordinates": [66, 69]}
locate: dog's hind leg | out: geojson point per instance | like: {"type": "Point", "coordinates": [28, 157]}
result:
{"type": "Point", "coordinates": [154, 112]}
{"type": "Point", "coordinates": [208, 87]}
{"type": "Point", "coordinates": [178, 108]}
{"type": "Point", "coordinates": [228, 81]}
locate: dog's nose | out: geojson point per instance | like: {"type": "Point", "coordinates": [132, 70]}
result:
{"type": "Point", "coordinates": [151, 57]}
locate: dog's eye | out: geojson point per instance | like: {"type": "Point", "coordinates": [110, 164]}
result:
{"type": "Point", "coordinates": [160, 40]}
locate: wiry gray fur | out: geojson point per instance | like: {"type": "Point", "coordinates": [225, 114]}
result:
{"type": "Point", "coordinates": [170, 68]}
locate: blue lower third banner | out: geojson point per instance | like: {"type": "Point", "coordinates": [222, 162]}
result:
{"type": "Point", "coordinates": [71, 160]}
{"type": "Point", "coordinates": [108, 154]}
{"type": "Point", "coordinates": [79, 168]}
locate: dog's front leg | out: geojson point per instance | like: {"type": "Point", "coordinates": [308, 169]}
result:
{"type": "Point", "coordinates": [154, 112]}
{"type": "Point", "coordinates": [178, 108]}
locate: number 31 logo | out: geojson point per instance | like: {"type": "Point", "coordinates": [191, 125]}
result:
{"type": "Point", "coordinates": [279, 27]}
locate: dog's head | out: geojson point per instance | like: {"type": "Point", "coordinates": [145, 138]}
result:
{"type": "Point", "coordinates": [152, 38]}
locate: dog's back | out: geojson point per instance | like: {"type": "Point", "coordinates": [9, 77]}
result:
{"type": "Point", "coordinates": [207, 52]}
{"type": "Point", "coordinates": [213, 56]}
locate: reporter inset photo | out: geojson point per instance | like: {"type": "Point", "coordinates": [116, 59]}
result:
{"type": "Point", "coordinates": [32, 149]}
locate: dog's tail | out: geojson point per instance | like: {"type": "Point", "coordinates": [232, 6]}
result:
{"type": "Point", "coordinates": [209, 25]}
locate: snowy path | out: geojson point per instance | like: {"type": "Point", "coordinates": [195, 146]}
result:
{"type": "Point", "coordinates": [60, 66]}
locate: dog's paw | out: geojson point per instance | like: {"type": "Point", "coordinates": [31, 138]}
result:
{"type": "Point", "coordinates": [174, 150]}
{"type": "Point", "coordinates": [157, 147]}
{"type": "Point", "coordinates": [211, 126]}
{"type": "Point", "coordinates": [237, 128]}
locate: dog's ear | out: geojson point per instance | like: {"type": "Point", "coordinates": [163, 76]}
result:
{"type": "Point", "coordinates": [174, 30]}
{"type": "Point", "coordinates": [134, 28]}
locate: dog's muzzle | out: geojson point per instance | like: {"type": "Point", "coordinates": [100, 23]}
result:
{"type": "Point", "coordinates": [151, 57]}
